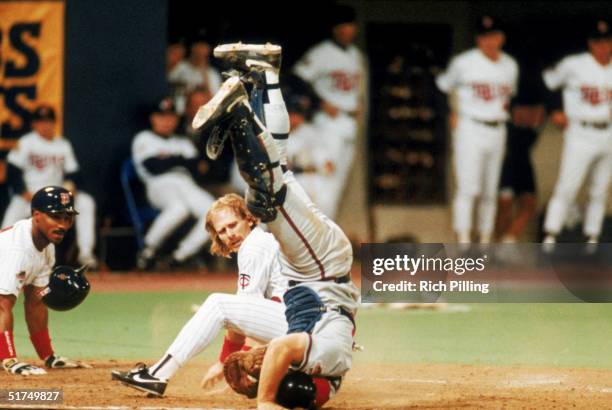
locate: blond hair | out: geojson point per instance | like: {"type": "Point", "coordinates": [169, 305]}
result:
{"type": "Point", "coordinates": [238, 206]}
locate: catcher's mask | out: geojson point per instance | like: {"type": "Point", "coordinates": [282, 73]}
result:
{"type": "Point", "coordinates": [67, 288]}
{"type": "Point", "coordinates": [297, 389]}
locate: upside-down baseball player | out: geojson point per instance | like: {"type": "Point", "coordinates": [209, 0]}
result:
{"type": "Point", "coordinates": [322, 300]}
{"type": "Point", "coordinates": [42, 159]}
{"type": "Point", "coordinates": [255, 311]}
{"type": "Point", "coordinates": [586, 80]}
{"type": "Point", "coordinates": [27, 255]}
{"type": "Point", "coordinates": [483, 78]}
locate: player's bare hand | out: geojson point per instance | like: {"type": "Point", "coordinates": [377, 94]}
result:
{"type": "Point", "coordinates": [60, 362]}
{"type": "Point", "coordinates": [27, 196]}
{"type": "Point", "coordinates": [329, 168]}
{"type": "Point", "coordinates": [559, 119]}
{"type": "Point", "coordinates": [330, 109]}
{"type": "Point", "coordinates": [14, 366]}
{"type": "Point", "coordinates": [203, 167]}
{"type": "Point", "coordinates": [452, 120]}
{"type": "Point", "coordinates": [213, 376]}
{"type": "Point", "coordinates": [70, 186]}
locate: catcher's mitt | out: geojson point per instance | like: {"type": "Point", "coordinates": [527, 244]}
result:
{"type": "Point", "coordinates": [241, 370]}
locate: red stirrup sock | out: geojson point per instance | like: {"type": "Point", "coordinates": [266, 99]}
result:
{"type": "Point", "coordinates": [42, 343]}
{"type": "Point", "coordinates": [7, 345]}
{"type": "Point", "coordinates": [228, 348]}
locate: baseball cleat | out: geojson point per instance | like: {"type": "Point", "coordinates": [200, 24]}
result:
{"type": "Point", "coordinates": [229, 95]}
{"type": "Point", "coordinates": [548, 244]}
{"type": "Point", "coordinates": [139, 378]}
{"type": "Point", "coordinates": [247, 57]}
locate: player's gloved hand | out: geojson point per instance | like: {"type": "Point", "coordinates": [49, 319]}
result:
{"type": "Point", "coordinates": [213, 376]}
{"type": "Point", "coordinates": [242, 370]}
{"type": "Point", "coordinates": [60, 362]}
{"type": "Point", "coordinates": [14, 366]}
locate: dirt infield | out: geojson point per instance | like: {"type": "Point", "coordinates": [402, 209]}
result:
{"type": "Point", "coordinates": [366, 387]}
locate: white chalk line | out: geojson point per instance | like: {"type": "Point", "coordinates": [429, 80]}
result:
{"type": "Point", "coordinates": [523, 382]}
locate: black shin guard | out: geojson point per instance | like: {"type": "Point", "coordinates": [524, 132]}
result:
{"type": "Point", "coordinates": [264, 177]}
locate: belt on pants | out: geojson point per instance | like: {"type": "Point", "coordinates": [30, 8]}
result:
{"type": "Point", "coordinates": [343, 312]}
{"type": "Point", "coordinates": [489, 123]}
{"type": "Point", "coordinates": [342, 279]}
{"type": "Point", "coordinates": [598, 125]}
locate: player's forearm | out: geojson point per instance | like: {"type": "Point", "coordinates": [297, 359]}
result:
{"type": "Point", "coordinates": [158, 166]}
{"type": "Point", "coordinates": [282, 352]}
{"type": "Point", "coordinates": [36, 313]}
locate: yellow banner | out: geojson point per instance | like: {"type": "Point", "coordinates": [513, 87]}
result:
{"type": "Point", "coordinates": [31, 63]}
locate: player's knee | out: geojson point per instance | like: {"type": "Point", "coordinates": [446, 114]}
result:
{"type": "Point", "coordinates": [6, 303]}
{"type": "Point", "coordinates": [598, 196]}
{"type": "Point", "coordinates": [565, 193]}
{"type": "Point", "coordinates": [178, 211]}
{"type": "Point", "coordinates": [466, 195]}
{"type": "Point", "coordinates": [214, 299]}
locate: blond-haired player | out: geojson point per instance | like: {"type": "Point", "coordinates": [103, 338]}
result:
{"type": "Point", "coordinates": [255, 311]}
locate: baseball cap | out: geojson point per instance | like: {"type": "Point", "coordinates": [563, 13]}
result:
{"type": "Point", "coordinates": [487, 24]}
{"type": "Point", "coordinates": [600, 30]}
{"type": "Point", "coordinates": [342, 14]}
{"type": "Point", "coordinates": [43, 113]}
{"type": "Point", "coordinates": [165, 106]}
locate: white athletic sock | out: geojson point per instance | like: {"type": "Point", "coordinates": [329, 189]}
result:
{"type": "Point", "coordinates": [277, 117]}
{"type": "Point", "coordinates": [165, 368]}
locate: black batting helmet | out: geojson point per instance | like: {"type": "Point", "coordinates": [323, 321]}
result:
{"type": "Point", "coordinates": [297, 389]}
{"type": "Point", "coordinates": [54, 200]}
{"type": "Point", "coordinates": [67, 288]}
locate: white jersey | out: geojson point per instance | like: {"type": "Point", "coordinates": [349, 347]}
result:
{"type": "Point", "coordinates": [334, 72]}
{"type": "Point", "coordinates": [21, 263]}
{"type": "Point", "coordinates": [259, 266]}
{"type": "Point", "coordinates": [192, 77]}
{"type": "Point", "coordinates": [43, 162]}
{"type": "Point", "coordinates": [483, 86]}
{"type": "Point", "coordinates": [147, 145]}
{"type": "Point", "coordinates": [587, 87]}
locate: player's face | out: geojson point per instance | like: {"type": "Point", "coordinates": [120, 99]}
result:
{"type": "Point", "coordinates": [174, 54]}
{"type": "Point", "coordinates": [52, 227]}
{"type": "Point", "coordinates": [200, 52]}
{"type": "Point", "coordinates": [231, 228]}
{"type": "Point", "coordinates": [45, 128]}
{"type": "Point", "coordinates": [195, 101]}
{"type": "Point", "coordinates": [164, 124]}
{"type": "Point", "coordinates": [491, 43]}
{"type": "Point", "coordinates": [601, 49]}
{"type": "Point", "coordinates": [295, 120]}
{"type": "Point", "coordinates": [345, 33]}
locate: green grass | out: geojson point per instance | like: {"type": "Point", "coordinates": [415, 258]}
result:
{"type": "Point", "coordinates": [141, 325]}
